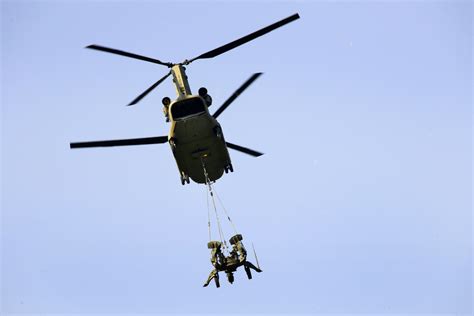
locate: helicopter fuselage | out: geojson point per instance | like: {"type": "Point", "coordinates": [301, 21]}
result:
{"type": "Point", "coordinates": [196, 140]}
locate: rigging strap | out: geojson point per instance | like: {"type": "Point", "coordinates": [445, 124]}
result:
{"type": "Point", "coordinates": [208, 217]}
{"type": "Point", "coordinates": [225, 211]}
{"type": "Point", "coordinates": [208, 182]}
{"type": "Point", "coordinates": [219, 226]}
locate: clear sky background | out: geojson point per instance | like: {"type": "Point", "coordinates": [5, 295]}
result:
{"type": "Point", "coordinates": [361, 203]}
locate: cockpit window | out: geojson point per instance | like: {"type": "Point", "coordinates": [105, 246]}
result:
{"type": "Point", "coordinates": [187, 107]}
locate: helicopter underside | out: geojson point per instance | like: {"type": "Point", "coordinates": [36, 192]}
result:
{"type": "Point", "coordinates": [199, 140]}
{"type": "Point", "coordinates": [196, 138]}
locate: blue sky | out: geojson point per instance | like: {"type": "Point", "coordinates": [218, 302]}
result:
{"type": "Point", "coordinates": [362, 202]}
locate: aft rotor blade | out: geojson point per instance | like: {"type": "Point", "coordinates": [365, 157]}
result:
{"type": "Point", "coordinates": [245, 150]}
{"type": "Point", "coordinates": [153, 86]}
{"type": "Point", "coordinates": [247, 38]}
{"type": "Point", "coordinates": [236, 94]}
{"type": "Point", "coordinates": [121, 142]}
{"type": "Point", "coordinates": [127, 54]}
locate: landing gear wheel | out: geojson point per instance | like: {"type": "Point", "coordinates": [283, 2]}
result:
{"type": "Point", "coordinates": [228, 168]}
{"type": "Point", "coordinates": [235, 239]}
{"type": "Point", "coordinates": [184, 178]}
{"type": "Point", "coordinates": [213, 244]}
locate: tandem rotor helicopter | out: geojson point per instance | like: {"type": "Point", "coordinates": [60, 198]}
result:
{"type": "Point", "coordinates": [195, 136]}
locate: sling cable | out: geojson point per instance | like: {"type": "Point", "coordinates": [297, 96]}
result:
{"type": "Point", "coordinates": [223, 258]}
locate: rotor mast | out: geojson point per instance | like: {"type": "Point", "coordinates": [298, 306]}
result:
{"type": "Point", "coordinates": [180, 80]}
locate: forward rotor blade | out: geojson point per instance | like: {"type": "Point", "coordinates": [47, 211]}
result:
{"type": "Point", "coordinates": [247, 38]}
{"type": "Point", "coordinates": [121, 142]}
{"type": "Point", "coordinates": [127, 54]}
{"type": "Point", "coordinates": [236, 94]}
{"type": "Point", "coordinates": [153, 86]}
{"type": "Point", "coordinates": [244, 150]}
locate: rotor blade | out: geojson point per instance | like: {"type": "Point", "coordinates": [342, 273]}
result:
{"type": "Point", "coordinates": [127, 54]}
{"type": "Point", "coordinates": [121, 142]}
{"type": "Point", "coordinates": [236, 94]}
{"type": "Point", "coordinates": [244, 150]}
{"type": "Point", "coordinates": [153, 86]}
{"type": "Point", "coordinates": [247, 38]}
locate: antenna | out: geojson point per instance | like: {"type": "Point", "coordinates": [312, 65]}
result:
{"type": "Point", "coordinates": [255, 254]}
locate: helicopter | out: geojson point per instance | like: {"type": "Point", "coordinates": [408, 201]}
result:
{"type": "Point", "coordinates": [195, 137]}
